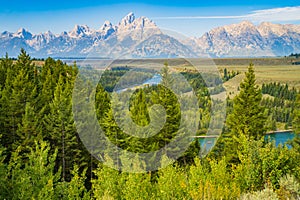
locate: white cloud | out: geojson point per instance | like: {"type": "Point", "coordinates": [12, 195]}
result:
{"type": "Point", "coordinates": [272, 15]}
{"type": "Point", "coordinates": [275, 14]}
{"type": "Point", "coordinates": [198, 17]}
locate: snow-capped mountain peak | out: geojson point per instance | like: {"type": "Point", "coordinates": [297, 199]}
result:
{"type": "Point", "coordinates": [23, 33]}
{"type": "Point", "coordinates": [248, 40]}
{"type": "Point", "coordinates": [107, 29]}
{"type": "Point", "coordinates": [80, 31]}
{"type": "Point", "coordinates": [128, 19]}
{"type": "Point", "coordinates": [106, 25]}
{"type": "Point", "coordinates": [141, 37]}
{"type": "Point", "coordinates": [267, 29]}
{"type": "Point", "coordinates": [136, 28]}
{"type": "Point", "coordinates": [6, 34]}
{"type": "Point", "coordinates": [49, 34]}
{"type": "Point", "coordinates": [240, 28]}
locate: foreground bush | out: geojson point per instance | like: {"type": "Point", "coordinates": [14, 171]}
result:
{"type": "Point", "coordinates": [264, 171]}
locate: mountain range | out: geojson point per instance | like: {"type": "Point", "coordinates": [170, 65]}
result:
{"type": "Point", "coordinates": [140, 37]}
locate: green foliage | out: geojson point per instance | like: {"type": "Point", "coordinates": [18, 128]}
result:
{"type": "Point", "coordinates": [34, 179]}
{"type": "Point", "coordinates": [279, 109]}
{"type": "Point", "coordinates": [296, 116]}
{"type": "Point", "coordinates": [172, 183]}
{"type": "Point", "coordinates": [266, 193]}
{"type": "Point", "coordinates": [75, 189]}
{"type": "Point", "coordinates": [296, 124]}
{"type": "Point", "coordinates": [209, 179]}
{"type": "Point", "coordinates": [263, 164]}
{"type": "Point", "coordinates": [4, 183]}
{"type": "Point", "coordinates": [36, 105]}
{"type": "Point", "coordinates": [137, 186]}
{"type": "Point", "coordinates": [138, 109]}
{"type": "Point", "coordinates": [107, 184]}
{"type": "Point", "coordinates": [247, 117]}
{"type": "Point", "coordinates": [279, 91]}
{"type": "Point", "coordinates": [60, 125]}
{"type": "Point", "coordinates": [227, 75]}
{"type": "Point", "coordinates": [289, 187]}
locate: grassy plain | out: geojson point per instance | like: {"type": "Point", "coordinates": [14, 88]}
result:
{"type": "Point", "coordinates": [267, 70]}
{"type": "Point", "coordinates": [289, 74]}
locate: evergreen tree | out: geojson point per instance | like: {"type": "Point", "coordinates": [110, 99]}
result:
{"type": "Point", "coordinates": [61, 131]}
{"type": "Point", "coordinates": [246, 119]}
{"type": "Point", "coordinates": [4, 181]}
{"type": "Point", "coordinates": [19, 89]}
{"type": "Point", "coordinates": [225, 74]}
{"type": "Point", "coordinates": [27, 129]}
{"type": "Point", "coordinates": [5, 64]}
{"type": "Point", "coordinates": [139, 110]}
{"type": "Point", "coordinates": [34, 179]}
{"type": "Point", "coordinates": [247, 116]}
{"type": "Point", "coordinates": [296, 120]}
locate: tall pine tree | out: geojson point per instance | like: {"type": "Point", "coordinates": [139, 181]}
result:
{"type": "Point", "coordinates": [247, 116]}
{"type": "Point", "coordinates": [246, 119]}
{"type": "Point", "coordinates": [296, 120]}
{"type": "Point", "coordinates": [61, 131]}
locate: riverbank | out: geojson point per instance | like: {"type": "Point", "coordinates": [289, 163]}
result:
{"type": "Point", "coordinates": [279, 131]}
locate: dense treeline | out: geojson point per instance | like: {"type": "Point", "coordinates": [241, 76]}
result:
{"type": "Point", "coordinates": [110, 78]}
{"type": "Point", "coordinates": [296, 55]}
{"type": "Point", "coordinates": [42, 156]}
{"type": "Point", "coordinates": [227, 75]}
{"type": "Point", "coordinates": [279, 91]}
{"type": "Point", "coordinates": [36, 105]}
{"type": "Point", "coordinates": [280, 105]}
{"type": "Point", "coordinates": [278, 111]}
{"type": "Point", "coordinates": [33, 59]}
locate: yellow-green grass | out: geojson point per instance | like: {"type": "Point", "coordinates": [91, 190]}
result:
{"type": "Point", "coordinates": [289, 74]}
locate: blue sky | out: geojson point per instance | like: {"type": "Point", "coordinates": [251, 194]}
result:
{"type": "Point", "coordinates": [191, 18]}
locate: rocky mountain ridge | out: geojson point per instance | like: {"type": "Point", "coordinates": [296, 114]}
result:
{"type": "Point", "coordinates": [140, 37]}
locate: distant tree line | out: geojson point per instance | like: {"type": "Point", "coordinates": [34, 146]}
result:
{"type": "Point", "coordinates": [296, 55]}
{"type": "Point", "coordinates": [33, 59]}
{"type": "Point", "coordinates": [279, 91]}
{"type": "Point", "coordinates": [280, 105]}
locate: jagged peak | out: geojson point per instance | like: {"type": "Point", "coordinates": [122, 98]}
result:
{"type": "Point", "coordinates": [218, 29]}
{"type": "Point", "coordinates": [21, 30]}
{"type": "Point", "coordinates": [49, 33]}
{"type": "Point", "coordinates": [240, 25]}
{"type": "Point", "coordinates": [80, 30]}
{"type": "Point", "coordinates": [106, 24]}
{"type": "Point", "coordinates": [64, 33]}
{"type": "Point", "coordinates": [266, 24]}
{"type": "Point", "coordinates": [128, 19]}
{"type": "Point", "coordinates": [5, 32]}
{"type": "Point", "coordinates": [23, 33]}
{"type": "Point", "coordinates": [267, 28]}
{"type": "Point", "coordinates": [246, 23]}
{"type": "Point", "coordinates": [146, 20]}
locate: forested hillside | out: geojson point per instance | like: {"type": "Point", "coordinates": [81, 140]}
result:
{"type": "Point", "coordinates": [42, 155]}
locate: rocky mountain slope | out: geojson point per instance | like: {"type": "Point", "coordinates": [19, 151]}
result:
{"type": "Point", "coordinates": [140, 37]}
{"type": "Point", "coordinates": [247, 40]}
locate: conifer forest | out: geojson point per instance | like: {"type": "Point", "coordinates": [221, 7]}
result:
{"type": "Point", "coordinates": [43, 156]}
